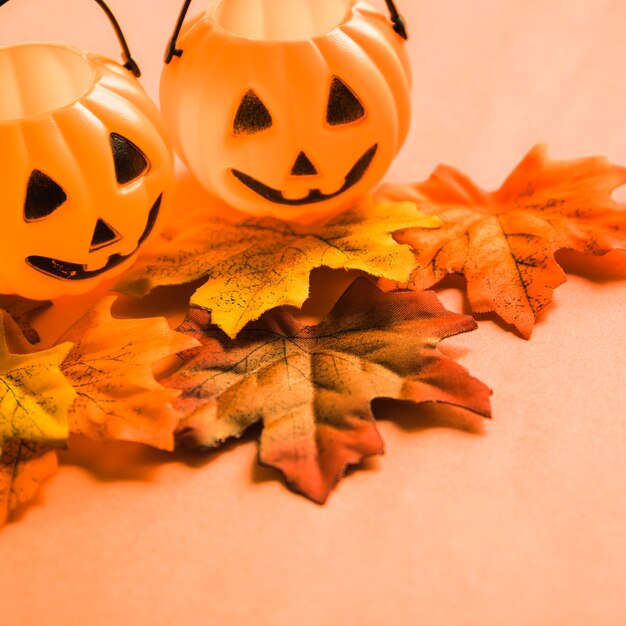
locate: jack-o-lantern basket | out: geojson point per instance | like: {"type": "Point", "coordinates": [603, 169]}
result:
{"type": "Point", "coordinates": [84, 168]}
{"type": "Point", "coordinates": [288, 107]}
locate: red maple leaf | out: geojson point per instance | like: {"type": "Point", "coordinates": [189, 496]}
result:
{"type": "Point", "coordinates": [312, 386]}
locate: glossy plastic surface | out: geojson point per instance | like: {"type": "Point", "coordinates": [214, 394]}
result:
{"type": "Point", "coordinates": [68, 122]}
{"type": "Point", "coordinates": [281, 73]}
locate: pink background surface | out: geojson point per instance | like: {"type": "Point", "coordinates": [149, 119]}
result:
{"type": "Point", "coordinates": [521, 523]}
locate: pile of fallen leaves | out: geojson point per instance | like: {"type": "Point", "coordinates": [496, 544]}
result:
{"type": "Point", "coordinates": [241, 358]}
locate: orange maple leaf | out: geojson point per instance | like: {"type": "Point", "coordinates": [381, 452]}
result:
{"type": "Point", "coordinates": [312, 386]}
{"type": "Point", "coordinates": [504, 241]}
{"type": "Point", "coordinates": [23, 466]}
{"type": "Point", "coordinates": [111, 369]}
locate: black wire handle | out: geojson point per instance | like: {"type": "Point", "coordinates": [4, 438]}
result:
{"type": "Point", "coordinates": [129, 63]}
{"type": "Point", "coordinates": [399, 25]}
{"type": "Point", "coordinates": [172, 50]}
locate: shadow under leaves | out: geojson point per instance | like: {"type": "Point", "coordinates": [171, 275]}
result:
{"type": "Point", "coordinates": [598, 269]}
{"type": "Point", "coordinates": [415, 418]}
{"type": "Point", "coordinates": [128, 461]}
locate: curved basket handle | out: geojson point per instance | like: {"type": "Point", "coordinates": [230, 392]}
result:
{"type": "Point", "coordinates": [129, 63]}
{"type": "Point", "coordinates": [172, 50]}
{"type": "Point", "coordinates": [399, 25]}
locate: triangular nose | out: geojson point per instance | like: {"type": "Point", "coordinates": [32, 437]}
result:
{"type": "Point", "coordinates": [103, 235]}
{"type": "Point", "coordinates": [303, 166]}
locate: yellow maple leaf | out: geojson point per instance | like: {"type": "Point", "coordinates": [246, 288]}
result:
{"type": "Point", "coordinates": [34, 394]}
{"type": "Point", "coordinates": [257, 264]}
{"type": "Point", "coordinates": [111, 368]}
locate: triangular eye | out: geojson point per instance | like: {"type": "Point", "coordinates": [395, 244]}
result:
{"type": "Point", "coordinates": [252, 115]}
{"type": "Point", "coordinates": [43, 197]}
{"type": "Point", "coordinates": [343, 105]}
{"type": "Point", "coordinates": [130, 161]}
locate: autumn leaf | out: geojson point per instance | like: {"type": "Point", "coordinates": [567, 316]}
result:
{"type": "Point", "coordinates": [504, 241]}
{"type": "Point", "coordinates": [252, 266]}
{"type": "Point", "coordinates": [312, 386]}
{"type": "Point", "coordinates": [34, 394]}
{"type": "Point", "coordinates": [111, 368]}
{"type": "Point", "coordinates": [23, 466]}
{"type": "Point", "coordinates": [21, 310]}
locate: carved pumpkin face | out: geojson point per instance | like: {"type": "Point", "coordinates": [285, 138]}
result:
{"type": "Point", "coordinates": [84, 172]}
{"type": "Point", "coordinates": [276, 123]}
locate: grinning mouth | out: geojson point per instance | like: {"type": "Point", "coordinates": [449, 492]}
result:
{"type": "Point", "coordinates": [315, 195]}
{"type": "Point", "coordinates": [65, 270]}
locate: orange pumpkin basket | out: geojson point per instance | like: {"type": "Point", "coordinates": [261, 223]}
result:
{"type": "Point", "coordinates": [288, 108]}
{"type": "Point", "coordinates": [85, 171]}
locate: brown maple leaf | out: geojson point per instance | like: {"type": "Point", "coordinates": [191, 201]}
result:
{"type": "Point", "coordinates": [21, 310]}
{"type": "Point", "coordinates": [23, 466]}
{"type": "Point", "coordinates": [111, 369]}
{"type": "Point", "coordinates": [504, 241]}
{"type": "Point", "coordinates": [254, 265]}
{"type": "Point", "coordinates": [312, 386]}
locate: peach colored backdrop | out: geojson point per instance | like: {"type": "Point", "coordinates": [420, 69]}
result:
{"type": "Point", "coordinates": [520, 525]}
